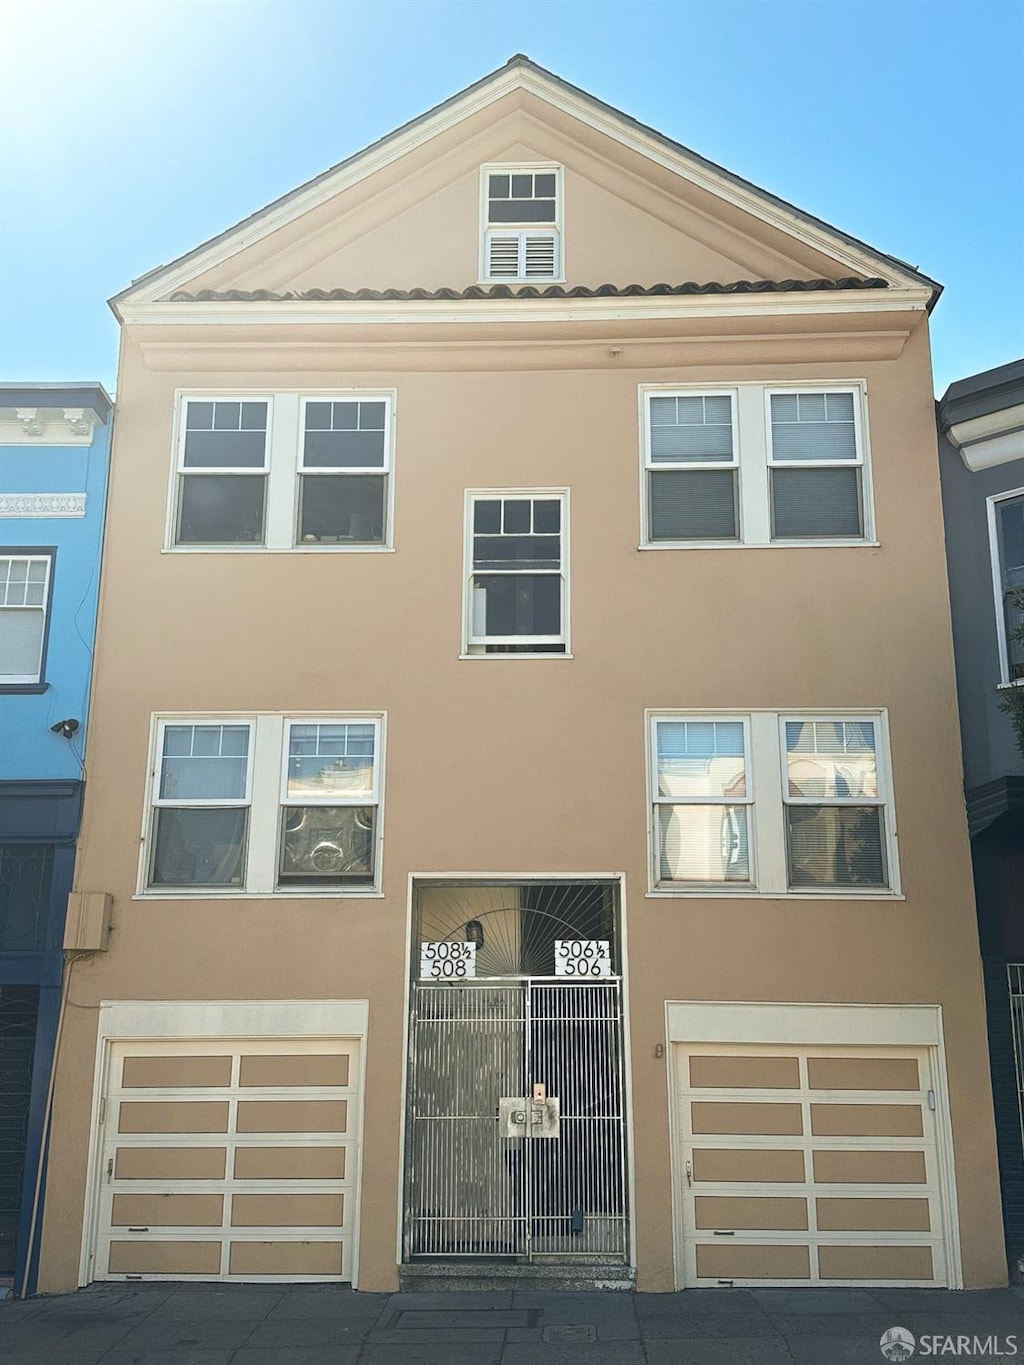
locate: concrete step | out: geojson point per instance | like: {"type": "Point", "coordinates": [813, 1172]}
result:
{"type": "Point", "coordinates": [483, 1276]}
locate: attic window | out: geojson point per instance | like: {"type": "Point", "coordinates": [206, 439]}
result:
{"type": "Point", "coordinates": [521, 229]}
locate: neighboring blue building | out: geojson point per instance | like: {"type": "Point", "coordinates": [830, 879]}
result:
{"type": "Point", "coordinates": [981, 462]}
{"type": "Point", "coordinates": [54, 451]}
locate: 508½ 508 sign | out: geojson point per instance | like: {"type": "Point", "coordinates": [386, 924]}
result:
{"type": "Point", "coordinates": [576, 957]}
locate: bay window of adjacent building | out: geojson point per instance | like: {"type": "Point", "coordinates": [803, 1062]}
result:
{"type": "Point", "coordinates": [1006, 524]}
{"type": "Point", "coordinates": [25, 587]}
{"type": "Point", "coordinates": [265, 805]}
{"type": "Point", "coordinates": [771, 803]}
{"type": "Point", "coordinates": [755, 464]}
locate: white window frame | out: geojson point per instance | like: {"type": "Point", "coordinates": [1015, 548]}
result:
{"type": "Point", "coordinates": [266, 787]}
{"type": "Point", "coordinates": [752, 448]}
{"type": "Point", "coordinates": [34, 554]}
{"type": "Point", "coordinates": [748, 801]}
{"type": "Point", "coordinates": [473, 646]}
{"type": "Point", "coordinates": [651, 465]}
{"type": "Point", "coordinates": [182, 471]}
{"type": "Point", "coordinates": [557, 228]}
{"type": "Point", "coordinates": [766, 778]}
{"type": "Point", "coordinates": [995, 559]}
{"type": "Point", "coordinates": [284, 468]}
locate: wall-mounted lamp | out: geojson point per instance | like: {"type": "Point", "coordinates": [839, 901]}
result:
{"type": "Point", "coordinates": [66, 727]}
{"type": "Point", "coordinates": [475, 933]}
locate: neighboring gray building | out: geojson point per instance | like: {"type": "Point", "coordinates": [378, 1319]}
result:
{"type": "Point", "coordinates": [981, 456]}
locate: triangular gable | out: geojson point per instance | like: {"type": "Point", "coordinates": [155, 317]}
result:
{"type": "Point", "coordinates": [684, 217]}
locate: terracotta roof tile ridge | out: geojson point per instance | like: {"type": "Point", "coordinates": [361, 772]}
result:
{"type": "Point", "coordinates": [521, 291]}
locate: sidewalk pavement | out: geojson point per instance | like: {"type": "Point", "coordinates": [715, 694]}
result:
{"type": "Point", "coordinates": [302, 1324]}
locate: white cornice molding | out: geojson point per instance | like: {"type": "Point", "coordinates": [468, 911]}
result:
{"type": "Point", "coordinates": [352, 312]}
{"type": "Point", "coordinates": [166, 280]}
{"type": "Point", "coordinates": [42, 504]}
{"type": "Point", "coordinates": [994, 438]}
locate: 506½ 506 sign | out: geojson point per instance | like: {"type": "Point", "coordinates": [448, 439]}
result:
{"type": "Point", "coordinates": [583, 957]}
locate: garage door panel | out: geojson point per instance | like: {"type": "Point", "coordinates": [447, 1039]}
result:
{"type": "Point", "coordinates": [876, 1263]}
{"type": "Point", "coordinates": [866, 1120]}
{"type": "Point", "coordinates": [319, 1069]}
{"type": "Point", "coordinates": [170, 1163]}
{"type": "Point", "coordinates": [175, 1073]}
{"type": "Point", "coordinates": [873, 1215]}
{"type": "Point", "coordinates": [863, 1073]}
{"type": "Point", "coordinates": [763, 1166]}
{"type": "Point", "coordinates": [164, 1258]}
{"type": "Point", "coordinates": [292, 1116]}
{"type": "Point", "coordinates": [765, 1120]}
{"type": "Point", "coordinates": [288, 1210]}
{"type": "Point", "coordinates": [880, 1167]}
{"type": "Point", "coordinates": [762, 1262]}
{"type": "Point", "coordinates": [837, 1180]}
{"type": "Point", "coordinates": [745, 1073]}
{"type": "Point", "coordinates": [289, 1258]}
{"type": "Point", "coordinates": [169, 1116]}
{"type": "Point", "coordinates": [273, 1194]}
{"type": "Point", "coordinates": [167, 1210]}
{"type": "Point", "coordinates": [290, 1163]}
{"type": "Point", "coordinates": [731, 1212]}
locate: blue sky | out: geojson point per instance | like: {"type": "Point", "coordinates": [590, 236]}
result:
{"type": "Point", "coordinates": [133, 130]}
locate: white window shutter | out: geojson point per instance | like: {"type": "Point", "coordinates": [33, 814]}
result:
{"type": "Point", "coordinates": [503, 255]}
{"type": "Point", "coordinates": [522, 255]}
{"type": "Point", "coordinates": [540, 250]}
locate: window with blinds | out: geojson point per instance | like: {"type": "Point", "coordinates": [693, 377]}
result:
{"type": "Point", "coordinates": [754, 465]}
{"type": "Point", "coordinates": [815, 466]}
{"type": "Point", "coordinates": [692, 467]}
{"type": "Point", "coordinates": [521, 211]}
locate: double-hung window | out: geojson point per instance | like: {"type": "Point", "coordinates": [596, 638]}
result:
{"type": "Point", "coordinates": [816, 464]}
{"type": "Point", "coordinates": [265, 805]}
{"type": "Point", "coordinates": [771, 804]}
{"type": "Point", "coordinates": [222, 473]}
{"type": "Point", "coordinates": [329, 803]}
{"type": "Point", "coordinates": [1006, 520]}
{"type": "Point", "coordinates": [521, 222]}
{"type": "Point", "coordinates": [755, 464]}
{"type": "Point", "coordinates": [343, 478]}
{"type": "Point", "coordinates": [691, 459]}
{"type": "Point", "coordinates": [25, 579]}
{"type": "Point", "coordinates": [284, 471]}
{"type": "Point", "coordinates": [516, 598]}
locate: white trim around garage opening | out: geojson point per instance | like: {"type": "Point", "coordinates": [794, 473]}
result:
{"type": "Point", "coordinates": [149, 1020]}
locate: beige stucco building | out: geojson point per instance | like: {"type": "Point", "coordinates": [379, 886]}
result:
{"type": "Point", "coordinates": [525, 385]}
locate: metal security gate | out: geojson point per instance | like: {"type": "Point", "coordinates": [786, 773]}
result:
{"type": "Point", "coordinates": [476, 1183]}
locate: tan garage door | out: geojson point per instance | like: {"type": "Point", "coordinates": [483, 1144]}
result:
{"type": "Point", "coordinates": [808, 1165]}
{"type": "Point", "coordinates": [229, 1160]}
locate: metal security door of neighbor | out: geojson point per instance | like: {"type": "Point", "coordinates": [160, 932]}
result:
{"type": "Point", "coordinates": [492, 1061]}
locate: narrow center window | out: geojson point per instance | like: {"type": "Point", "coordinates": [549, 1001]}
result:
{"type": "Point", "coordinates": [517, 577]}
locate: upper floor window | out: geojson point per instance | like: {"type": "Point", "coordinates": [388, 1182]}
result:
{"type": "Point", "coordinates": [516, 577]}
{"type": "Point", "coordinates": [770, 804]}
{"type": "Point", "coordinates": [284, 471]}
{"type": "Point", "coordinates": [1007, 530]}
{"type": "Point", "coordinates": [521, 222]}
{"type": "Point", "coordinates": [24, 607]}
{"type": "Point", "coordinates": [265, 804]}
{"type": "Point", "coordinates": [755, 465]}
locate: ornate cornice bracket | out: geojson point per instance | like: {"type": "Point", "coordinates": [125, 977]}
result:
{"type": "Point", "coordinates": [80, 421]}
{"type": "Point", "coordinates": [31, 422]}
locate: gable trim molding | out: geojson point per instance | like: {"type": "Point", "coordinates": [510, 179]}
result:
{"type": "Point", "coordinates": [521, 74]}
